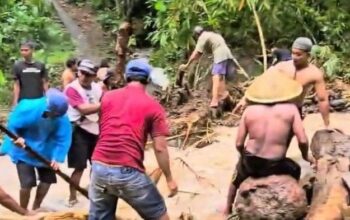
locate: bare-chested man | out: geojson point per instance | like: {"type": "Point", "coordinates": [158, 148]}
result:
{"type": "Point", "coordinates": [268, 121]}
{"type": "Point", "coordinates": [306, 74]}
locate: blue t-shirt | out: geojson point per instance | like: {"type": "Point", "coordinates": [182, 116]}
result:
{"type": "Point", "coordinates": [49, 137]}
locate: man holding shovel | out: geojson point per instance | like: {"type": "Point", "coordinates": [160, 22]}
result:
{"type": "Point", "coordinates": [41, 124]}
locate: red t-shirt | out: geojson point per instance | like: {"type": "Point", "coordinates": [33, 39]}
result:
{"type": "Point", "coordinates": [127, 117]}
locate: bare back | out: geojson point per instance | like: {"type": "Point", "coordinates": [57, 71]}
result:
{"type": "Point", "coordinates": [269, 129]}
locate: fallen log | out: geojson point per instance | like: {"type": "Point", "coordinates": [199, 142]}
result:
{"type": "Point", "coordinates": [331, 149]}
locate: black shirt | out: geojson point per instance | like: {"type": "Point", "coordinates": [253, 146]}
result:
{"type": "Point", "coordinates": [30, 77]}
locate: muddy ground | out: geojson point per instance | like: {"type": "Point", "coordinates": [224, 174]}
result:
{"type": "Point", "coordinates": [202, 198]}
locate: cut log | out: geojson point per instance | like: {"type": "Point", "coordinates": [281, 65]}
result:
{"type": "Point", "coordinates": [330, 195]}
{"type": "Point", "coordinates": [274, 197]}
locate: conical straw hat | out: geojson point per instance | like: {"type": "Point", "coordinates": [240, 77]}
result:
{"type": "Point", "coordinates": [273, 87]}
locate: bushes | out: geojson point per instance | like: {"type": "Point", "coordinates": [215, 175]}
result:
{"type": "Point", "coordinates": [22, 20]}
{"type": "Point", "coordinates": [282, 21]}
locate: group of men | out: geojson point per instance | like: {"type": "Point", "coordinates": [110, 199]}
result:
{"type": "Point", "coordinates": [110, 128]}
{"type": "Point", "coordinates": [85, 123]}
{"type": "Point", "coordinates": [273, 102]}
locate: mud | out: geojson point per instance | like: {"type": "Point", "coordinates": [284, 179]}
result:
{"type": "Point", "coordinates": [203, 195]}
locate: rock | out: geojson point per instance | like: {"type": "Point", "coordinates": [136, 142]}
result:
{"type": "Point", "coordinates": [274, 197]}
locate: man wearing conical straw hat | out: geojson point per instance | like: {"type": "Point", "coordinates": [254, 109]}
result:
{"type": "Point", "coordinates": [307, 74]}
{"type": "Point", "coordinates": [269, 121]}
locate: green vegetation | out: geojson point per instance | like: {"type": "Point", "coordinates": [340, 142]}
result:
{"type": "Point", "coordinates": [34, 20]}
{"type": "Point", "coordinates": [169, 24]}
{"type": "Point", "coordinates": [249, 26]}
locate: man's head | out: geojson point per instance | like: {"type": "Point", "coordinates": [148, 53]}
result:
{"type": "Point", "coordinates": [57, 103]}
{"type": "Point", "coordinates": [86, 72]}
{"type": "Point", "coordinates": [301, 49]}
{"type": "Point", "coordinates": [273, 87]}
{"type": "Point", "coordinates": [138, 70]}
{"type": "Point", "coordinates": [27, 48]}
{"type": "Point", "coordinates": [197, 31]}
{"type": "Point", "coordinates": [126, 26]}
{"type": "Point", "coordinates": [72, 63]}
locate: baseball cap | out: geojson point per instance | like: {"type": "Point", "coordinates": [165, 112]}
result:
{"type": "Point", "coordinates": [138, 67]}
{"type": "Point", "coordinates": [88, 67]}
{"type": "Point", "coordinates": [57, 102]}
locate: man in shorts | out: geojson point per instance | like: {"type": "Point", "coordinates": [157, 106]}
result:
{"type": "Point", "coordinates": [84, 102]}
{"type": "Point", "coordinates": [128, 116]}
{"type": "Point", "coordinates": [268, 121]}
{"type": "Point", "coordinates": [223, 61]}
{"type": "Point", "coordinates": [42, 124]}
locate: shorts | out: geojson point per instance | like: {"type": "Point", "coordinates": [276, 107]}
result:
{"type": "Point", "coordinates": [83, 145]}
{"type": "Point", "coordinates": [226, 68]}
{"type": "Point", "coordinates": [108, 184]}
{"type": "Point", "coordinates": [257, 167]}
{"type": "Point", "coordinates": [27, 176]}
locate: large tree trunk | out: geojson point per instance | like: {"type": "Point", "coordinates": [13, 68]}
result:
{"type": "Point", "coordinates": [332, 150]}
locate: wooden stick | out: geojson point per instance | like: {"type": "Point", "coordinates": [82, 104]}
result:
{"type": "Point", "coordinates": [46, 162]}
{"type": "Point", "coordinates": [177, 136]}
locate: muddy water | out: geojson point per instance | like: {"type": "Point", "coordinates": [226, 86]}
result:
{"type": "Point", "coordinates": [202, 197]}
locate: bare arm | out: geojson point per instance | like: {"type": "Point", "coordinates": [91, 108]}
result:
{"type": "Point", "coordinates": [298, 130]}
{"type": "Point", "coordinates": [11, 204]}
{"type": "Point", "coordinates": [16, 89]}
{"type": "Point", "coordinates": [162, 155]}
{"type": "Point", "coordinates": [87, 108]}
{"type": "Point", "coordinates": [322, 96]}
{"type": "Point", "coordinates": [194, 56]}
{"type": "Point", "coordinates": [242, 134]}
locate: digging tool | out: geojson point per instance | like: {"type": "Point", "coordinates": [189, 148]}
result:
{"type": "Point", "coordinates": [179, 78]}
{"type": "Point", "coordinates": [46, 162]}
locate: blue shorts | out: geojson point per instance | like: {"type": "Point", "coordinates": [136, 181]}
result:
{"type": "Point", "coordinates": [225, 67]}
{"type": "Point", "coordinates": [108, 184]}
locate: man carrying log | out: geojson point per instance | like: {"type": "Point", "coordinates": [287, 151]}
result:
{"type": "Point", "coordinates": [268, 121]}
{"type": "Point", "coordinates": [307, 74]}
{"type": "Point", "coordinates": [42, 124]}
{"type": "Point", "coordinates": [84, 103]}
{"type": "Point", "coordinates": [223, 61]}
{"type": "Point", "coordinates": [128, 116]}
